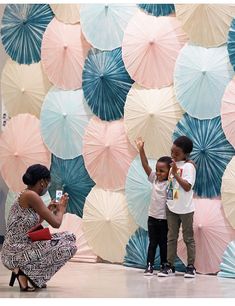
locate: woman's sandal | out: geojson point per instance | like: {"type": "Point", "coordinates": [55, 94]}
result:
{"type": "Point", "coordinates": [17, 275]}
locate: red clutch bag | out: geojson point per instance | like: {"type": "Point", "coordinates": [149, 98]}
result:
{"type": "Point", "coordinates": [38, 233]}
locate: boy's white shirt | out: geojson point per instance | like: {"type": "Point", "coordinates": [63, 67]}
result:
{"type": "Point", "coordinates": [157, 208]}
{"type": "Point", "coordinates": [184, 204]}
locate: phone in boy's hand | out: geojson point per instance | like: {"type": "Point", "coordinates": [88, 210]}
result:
{"type": "Point", "coordinates": [58, 195]}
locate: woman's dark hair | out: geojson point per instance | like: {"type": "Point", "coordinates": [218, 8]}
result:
{"type": "Point", "coordinates": [184, 143]}
{"type": "Point", "coordinates": [35, 173]}
{"type": "Point", "coordinates": [165, 159]}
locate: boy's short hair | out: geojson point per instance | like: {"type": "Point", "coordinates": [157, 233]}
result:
{"type": "Point", "coordinates": [184, 143]}
{"type": "Point", "coordinates": [165, 159]}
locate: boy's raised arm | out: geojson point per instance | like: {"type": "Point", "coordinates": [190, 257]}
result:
{"type": "Point", "coordinates": [140, 145]}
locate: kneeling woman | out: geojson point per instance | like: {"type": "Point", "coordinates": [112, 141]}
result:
{"type": "Point", "coordinates": [35, 262]}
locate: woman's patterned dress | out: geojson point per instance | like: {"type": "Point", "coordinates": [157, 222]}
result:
{"type": "Point", "coordinates": [39, 260]}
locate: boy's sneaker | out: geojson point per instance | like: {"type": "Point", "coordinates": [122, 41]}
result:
{"type": "Point", "coordinates": [149, 270]}
{"type": "Point", "coordinates": [190, 272]}
{"type": "Point", "coordinates": [167, 270]}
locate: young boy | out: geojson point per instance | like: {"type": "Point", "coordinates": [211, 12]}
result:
{"type": "Point", "coordinates": [180, 207]}
{"type": "Point", "coordinates": [157, 223]}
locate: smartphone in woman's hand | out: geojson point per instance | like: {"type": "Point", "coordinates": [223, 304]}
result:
{"type": "Point", "coordinates": [58, 195]}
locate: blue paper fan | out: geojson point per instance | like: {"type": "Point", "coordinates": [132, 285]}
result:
{"type": "Point", "coordinates": [136, 252]}
{"type": "Point", "coordinates": [71, 176]}
{"type": "Point", "coordinates": [231, 43]}
{"type": "Point", "coordinates": [22, 28]}
{"type": "Point", "coordinates": [211, 152]}
{"type": "Point", "coordinates": [158, 9]}
{"type": "Point", "coordinates": [106, 83]}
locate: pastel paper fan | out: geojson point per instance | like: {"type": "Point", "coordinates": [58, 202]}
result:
{"type": "Point", "coordinates": [107, 223]}
{"type": "Point", "coordinates": [152, 114]}
{"type": "Point", "coordinates": [138, 191]}
{"type": "Point", "coordinates": [21, 92]}
{"type": "Point", "coordinates": [21, 146]}
{"type": "Point", "coordinates": [206, 24]}
{"type": "Point", "coordinates": [107, 153]}
{"type": "Point", "coordinates": [63, 52]}
{"type": "Point", "coordinates": [227, 266]}
{"type": "Point", "coordinates": [200, 78]}
{"type": "Point", "coordinates": [228, 192]}
{"type": "Point", "coordinates": [67, 13]}
{"type": "Point", "coordinates": [103, 24]}
{"type": "Point", "coordinates": [212, 233]}
{"type": "Point", "coordinates": [150, 47]}
{"type": "Point", "coordinates": [63, 119]}
{"type": "Point", "coordinates": [228, 112]}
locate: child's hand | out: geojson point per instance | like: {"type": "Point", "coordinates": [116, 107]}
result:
{"type": "Point", "coordinates": [173, 168]}
{"type": "Point", "coordinates": [139, 143]}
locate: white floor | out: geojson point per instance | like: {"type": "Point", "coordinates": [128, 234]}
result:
{"type": "Point", "coordinates": [81, 280]}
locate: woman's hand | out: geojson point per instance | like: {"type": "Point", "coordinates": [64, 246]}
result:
{"type": "Point", "coordinates": [64, 200]}
{"type": "Point", "coordinates": [139, 143]}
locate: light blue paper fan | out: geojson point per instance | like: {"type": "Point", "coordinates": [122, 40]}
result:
{"type": "Point", "coordinates": [227, 266]}
{"type": "Point", "coordinates": [63, 119]}
{"type": "Point", "coordinates": [138, 191]}
{"type": "Point", "coordinates": [200, 78]}
{"type": "Point", "coordinates": [103, 25]}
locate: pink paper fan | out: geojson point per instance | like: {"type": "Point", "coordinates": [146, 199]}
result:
{"type": "Point", "coordinates": [212, 233]}
{"type": "Point", "coordinates": [21, 146]}
{"type": "Point", "coordinates": [228, 112]}
{"type": "Point", "coordinates": [63, 54]}
{"type": "Point", "coordinates": [107, 153]}
{"type": "Point", "coordinates": [150, 48]}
